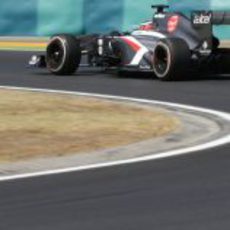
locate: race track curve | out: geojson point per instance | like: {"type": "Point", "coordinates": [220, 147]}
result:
{"type": "Point", "coordinates": [181, 193]}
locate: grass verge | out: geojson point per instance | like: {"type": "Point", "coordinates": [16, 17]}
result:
{"type": "Point", "coordinates": [44, 125]}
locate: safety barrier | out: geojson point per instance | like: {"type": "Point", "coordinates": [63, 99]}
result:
{"type": "Point", "coordinates": [46, 17]}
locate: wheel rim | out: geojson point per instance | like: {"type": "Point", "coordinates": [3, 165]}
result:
{"type": "Point", "coordinates": [55, 54]}
{"type": "Point", "coordinates": [161, 61]}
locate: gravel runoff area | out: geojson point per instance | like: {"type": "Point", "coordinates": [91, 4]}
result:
{"type": "Point", "coordinates": [196, 127]}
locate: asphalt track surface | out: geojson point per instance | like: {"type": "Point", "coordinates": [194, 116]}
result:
{"type": "Point", "coordinates": [180, 193]}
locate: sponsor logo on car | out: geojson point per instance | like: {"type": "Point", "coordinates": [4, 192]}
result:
{"type": "Point", "coordinates": [202, 18]}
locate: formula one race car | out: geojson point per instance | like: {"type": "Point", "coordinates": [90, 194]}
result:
{"type": "Point", "coordinates": [170, 46]}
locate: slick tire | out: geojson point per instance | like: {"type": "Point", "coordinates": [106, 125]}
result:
{"type": "Point", "coordinates": [63, 55]}
{"type": "Point", "coordinates": [171, 59]}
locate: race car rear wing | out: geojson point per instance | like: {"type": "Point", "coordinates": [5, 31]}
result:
{"type": "Point", "coordinates": [203, 22]}
{"type": "Point", "coordinates": [217, 17]}
{"type": "Point", "coordinates": [211, 17]}
{"type": "Point", "coordinates": [221, 17]}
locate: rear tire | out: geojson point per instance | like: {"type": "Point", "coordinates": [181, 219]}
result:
{"type": "Point", "coordinates": [63, 55]}
{"type": "Point", "coordinates": [171, 59]}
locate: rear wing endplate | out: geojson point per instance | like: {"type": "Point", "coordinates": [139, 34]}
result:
{"type": "Point", "coordinates": [221, 18]}
{"type": "Point", "coordinates": [211, 17]}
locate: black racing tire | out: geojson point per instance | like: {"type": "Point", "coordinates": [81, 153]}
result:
{"type": "Point", "coordinates": [171, 59]}
{"type": "Point", "coordinates": [63, 54]}
{"type": "Point", "coordinates": [215, 42]}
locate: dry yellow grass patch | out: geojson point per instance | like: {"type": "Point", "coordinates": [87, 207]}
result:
{"type": "Point", "coordinates": [37, 125]}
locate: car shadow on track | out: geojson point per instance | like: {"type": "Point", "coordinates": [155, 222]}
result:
{"type": "Point", "coordinates": [134, 75]}
{"type": "Point", "coordinates": [190, 77]}
{"type": "Point", "coordinates": [209, 77]}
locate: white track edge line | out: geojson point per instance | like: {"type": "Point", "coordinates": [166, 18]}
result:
{"type": "Point", "coordinates": [216, 143]}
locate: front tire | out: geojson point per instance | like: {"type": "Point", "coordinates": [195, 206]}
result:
{"type": "Point", "coordinates": [171, 59]}
{"type": "Point", "coordinates": [63, 55]}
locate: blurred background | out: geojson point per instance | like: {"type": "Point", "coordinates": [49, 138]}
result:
{"type": "Point", "coordinates": [47, 17]}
